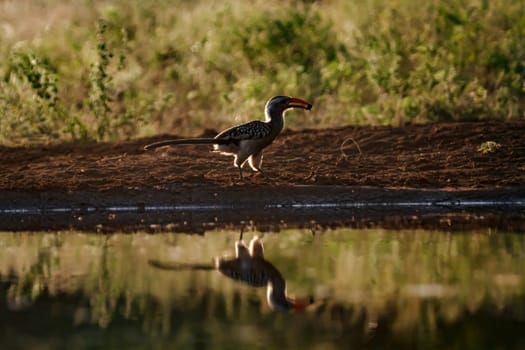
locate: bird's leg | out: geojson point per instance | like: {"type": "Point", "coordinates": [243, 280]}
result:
{"type": "Point", "coordinates": [241, 233]}
{"type": "Point", "coordinates": [238, 165]}
{"type": "Point", "coordinates": [255, 162]}
{"type": "Point", "coordinates": [259, 170]}
{"type": "Point", "coordinates": [239, 161]}
{"type": "Point", "coordinates": [241, 250]}
{"type": "Point", "coordinates": [256, 247]}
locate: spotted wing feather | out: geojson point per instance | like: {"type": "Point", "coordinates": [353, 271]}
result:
{"type": "Point", "coordinates": [248, 272]}
{"type": "Point", "coordinates": [252, 130]}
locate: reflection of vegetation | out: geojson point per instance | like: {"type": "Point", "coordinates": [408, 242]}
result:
{"type": "Point", "coordinates": [248, 266]}
{"type": "Point", "coordinates": [408, 288]}
{"type": "Point", "coordinates": [376, 61]}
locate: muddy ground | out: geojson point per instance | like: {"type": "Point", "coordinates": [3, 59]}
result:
{"type": "Point", "coordinates": [442, 156]}
{"type": "Point", "coordinates": [346, 165]}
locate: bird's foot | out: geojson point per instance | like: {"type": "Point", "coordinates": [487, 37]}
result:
{"type": "Point", "coordinates": [237, 181]}
{"type": "Point", "coordinates": [263, 174]}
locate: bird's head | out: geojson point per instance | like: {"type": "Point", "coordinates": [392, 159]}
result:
{"type": "Point", "coordinates": [278, 104]}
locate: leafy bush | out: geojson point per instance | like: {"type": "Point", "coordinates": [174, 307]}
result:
{"type": "Point", "coordinates": [30, 105]}
{"type": "Point", "coordinates": [461, 62]}
{"type": "Point", "coordinates": [131, 68]}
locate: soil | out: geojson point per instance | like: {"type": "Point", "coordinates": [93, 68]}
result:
{"type": "Point", "coordinates": [436, 156]}
{"type": "Point", "coordinates": [355, 176]}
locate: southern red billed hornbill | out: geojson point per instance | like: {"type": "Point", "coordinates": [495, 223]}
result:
{"type": "Point", "coordinates": [246, 142]}
{"type": "Point", "coordinates": [248, 266]}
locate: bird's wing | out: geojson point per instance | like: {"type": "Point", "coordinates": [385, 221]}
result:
{"type": "Point", "coordinates": [249, 131]}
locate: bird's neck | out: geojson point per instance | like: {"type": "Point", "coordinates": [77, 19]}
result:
{"type": "Point", "coordinates": [276, 119]}
{"type": "Point", "coordinates": [276, 295]}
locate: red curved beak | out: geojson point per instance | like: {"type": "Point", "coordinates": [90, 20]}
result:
{"type": "Point", "coordinates": [302, 304]}
{"type": "Point", "coordinates": [298, 103]}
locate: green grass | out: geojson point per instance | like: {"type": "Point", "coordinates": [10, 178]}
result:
{"type": "Point", "coordinates": [489, 147]}
{"type": "Point", "coordinates": [83, 69]}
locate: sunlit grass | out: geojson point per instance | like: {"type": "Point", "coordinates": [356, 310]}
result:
{"type": "Point", "coordinates": [92, 69]}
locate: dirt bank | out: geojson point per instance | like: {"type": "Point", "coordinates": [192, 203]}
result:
{"type": "Point", "coordinates": [426, 156]}
{"type": "Point", "coordinates": [415, 176]}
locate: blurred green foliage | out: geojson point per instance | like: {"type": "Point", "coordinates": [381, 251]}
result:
{"type": "Point", "coordinates": [407, 289]}
{"type": "Point", "coordinates": [92, 69]}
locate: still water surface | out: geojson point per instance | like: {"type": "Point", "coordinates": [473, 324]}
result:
{"type": "Point", "coordinates": [361, 288]}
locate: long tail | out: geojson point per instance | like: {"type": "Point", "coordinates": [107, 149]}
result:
{"type": "Point", "coordinates": [196, 141]}
{"type": "Point", "coordinates": [167, 265]}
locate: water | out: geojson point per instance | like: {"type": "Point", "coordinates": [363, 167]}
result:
{"type": "Point", "coordinates": [368, 288]}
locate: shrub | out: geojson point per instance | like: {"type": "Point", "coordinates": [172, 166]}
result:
{"type": "Point", "coordinates": [130, 68]}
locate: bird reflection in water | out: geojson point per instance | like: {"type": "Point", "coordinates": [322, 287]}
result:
{"type": "Point", "coordinates": [249, 267]}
